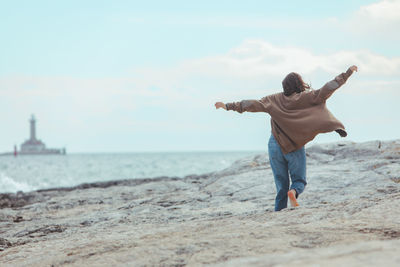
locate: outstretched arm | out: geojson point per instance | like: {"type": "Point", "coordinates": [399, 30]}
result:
{"type": "Point", "coordinates": [261, 105]}
{"type": "Point", "coordinates": [330, 87]}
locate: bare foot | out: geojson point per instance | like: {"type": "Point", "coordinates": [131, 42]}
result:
{"type": "Point", "coordinates": [292, 197]}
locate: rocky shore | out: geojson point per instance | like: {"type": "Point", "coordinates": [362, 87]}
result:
{"type": "Point", "coordinates": [349, 216]}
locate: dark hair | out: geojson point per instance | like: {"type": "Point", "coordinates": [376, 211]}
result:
{"type": "Point", "coordinates": [293, 83]}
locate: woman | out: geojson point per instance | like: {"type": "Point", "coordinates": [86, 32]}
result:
{"type": "Point", "coordinates": [298, 114]}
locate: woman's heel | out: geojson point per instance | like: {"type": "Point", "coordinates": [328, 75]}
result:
{"type": "Point", "coordinates": [292, 197]}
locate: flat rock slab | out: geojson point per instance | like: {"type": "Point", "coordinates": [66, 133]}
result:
{"type": "Point", "coordinates": [348, 215]}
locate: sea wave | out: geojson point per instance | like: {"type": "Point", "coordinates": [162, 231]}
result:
{"type": "Point", "coordinates": [8, 184]}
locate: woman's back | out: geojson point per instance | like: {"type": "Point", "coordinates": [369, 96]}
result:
{"type": "Point", "coordinates": [297, 118]}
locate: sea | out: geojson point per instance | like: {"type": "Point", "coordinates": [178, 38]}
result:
{"type": "Point", "coordinates": [27, 173]}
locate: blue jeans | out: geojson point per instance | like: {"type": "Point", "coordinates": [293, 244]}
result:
{"type": "Point", "coordinates": [293, 163]}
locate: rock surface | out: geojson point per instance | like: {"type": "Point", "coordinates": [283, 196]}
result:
{"type": "Point", "coordinates": [349, 215]}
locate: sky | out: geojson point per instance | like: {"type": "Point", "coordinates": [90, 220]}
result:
{"type": "Point", "coordinates": [143, 76]}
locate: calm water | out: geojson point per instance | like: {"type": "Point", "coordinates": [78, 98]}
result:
{"type": "Point", "coordinates": [28, 173]}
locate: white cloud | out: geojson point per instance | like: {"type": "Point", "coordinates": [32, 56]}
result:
{"type": "Point", "coordinates": [377, 20]}
{"type": "Point", "coordinates": [92, 96]}
{"type": "Point", "coordinates": [259, 58]}
{"type": "Point", "coordinates": [383, 11]}
{"type": "Point", "coordinates": [376, 88]}
{"type": "Point", "coordinates": [256, 68]}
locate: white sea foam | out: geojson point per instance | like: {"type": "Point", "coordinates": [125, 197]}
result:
{"type": "Point", "coordinates": [7, 184]}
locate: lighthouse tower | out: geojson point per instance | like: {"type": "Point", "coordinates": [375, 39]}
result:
{"type": "Point", "coordinates": [33, 128]}
{"type": "Point", "coordinates": [33, 145]}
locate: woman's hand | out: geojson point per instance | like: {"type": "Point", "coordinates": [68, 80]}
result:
{"type": "Point", "coordinates": [220, 105]}
{"type": "Point", "coordinates": [353, 68]}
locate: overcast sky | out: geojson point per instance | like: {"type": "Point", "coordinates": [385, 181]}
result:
{"type": "Point", "coordinates": [127, 76]}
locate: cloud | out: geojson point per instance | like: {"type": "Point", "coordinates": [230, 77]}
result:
{"type": "Point", "coordinates": [252, 69]}
{"type": "Point", "coordinates": [377, 20]}
{"type": "Point", "coordinates": [383, 11]}
{"type": "Point", "coordinates": [256, 58]}
{"type": "Point", "coordinates": [96, 95]}
{"type": "Point", "coordinates": [256, 68]}
{"type": "Point", "coordinates": [378, 88]}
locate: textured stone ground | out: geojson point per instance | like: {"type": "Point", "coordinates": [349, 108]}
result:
{"type": "Point", "coordinates": [349, 216]}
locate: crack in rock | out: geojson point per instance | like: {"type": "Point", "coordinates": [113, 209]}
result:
{"type": "Point", "coordinates": [42, 231]}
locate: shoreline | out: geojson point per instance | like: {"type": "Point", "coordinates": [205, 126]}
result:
{"type": "Point", "coordinates": [36, 173]}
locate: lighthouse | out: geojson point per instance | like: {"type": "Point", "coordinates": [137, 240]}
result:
{"type": "Point", "coordinates": [35, 146]}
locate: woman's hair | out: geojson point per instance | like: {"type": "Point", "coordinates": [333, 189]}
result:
{"type": "Point", "coordinates": [293, 83]}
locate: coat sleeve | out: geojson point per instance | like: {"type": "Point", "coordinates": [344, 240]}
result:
{"type": "Point", "coordinates": [321, 95]}
{"type": "Point", "coordinates": [261, 105]}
